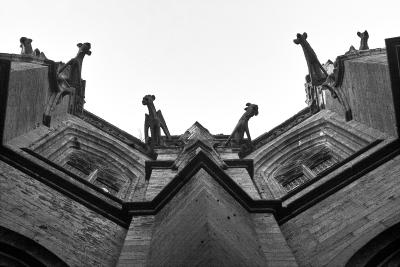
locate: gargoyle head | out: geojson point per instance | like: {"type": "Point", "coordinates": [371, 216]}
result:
{"type": "Point", "coordinates": [363, 35]}
{"type": "Point", "coordinates": [251, 109]}
{"type": "Point", "coordinates": [25, 45]}
{"type": "Point", "coordinates": [147, 99]}
{"type": "Point", "coordinates": [301, 38]}
{"type": "Point", "coordinates": [84, 48]}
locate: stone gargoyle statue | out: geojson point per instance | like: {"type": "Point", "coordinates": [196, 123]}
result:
{"type": "Point", "coordinates": [237, 136]}
{"type": "Point", "coordinates": [26, 48]}
{"type": "Point", "coordinates": [316, 71]}
{"type": "Point", "coordinates": [319, 79]}
{"type": "Point", "coordinates": [317, 75]}
{"type": "Point", "coordinates": [155, 122]}
{"type": "Point", "coordinates": [364, 36]}
{"type": "Point", "coordinates": [68, 77]}
{"type": "Point", "coordinates": [364, 40]}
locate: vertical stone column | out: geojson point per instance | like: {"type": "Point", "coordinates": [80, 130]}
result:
{"type": "Point", "coordinates": [273, 243]}
{"type": "Point", "coordinates": [5, 67]}
{"type": "Point", "coordinates": [137, 242]}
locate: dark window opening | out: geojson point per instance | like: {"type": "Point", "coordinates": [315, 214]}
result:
{"type": "Point", "coordinates": [305, 166]}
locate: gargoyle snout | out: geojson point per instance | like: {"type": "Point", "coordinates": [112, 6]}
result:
{"type": "Point", "coordinates": [252, 109]}
{"type": "Point", "coordinates": [300, 38]}
{"type": "Point", "coordinates": [147, 99]}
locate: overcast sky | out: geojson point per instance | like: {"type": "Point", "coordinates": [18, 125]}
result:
{"type": "Point", "coordinates": [203, 60]}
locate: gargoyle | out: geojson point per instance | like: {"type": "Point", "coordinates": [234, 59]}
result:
{"type": "Point", "coordinates": [26, 48]}
{"type": "Point", "coordinates": [317, 72]}
{"type": "Point", "coordinates": [155, 122]}
{"type": "Point", "coordinates": [69, 80]}
{"type": "Point", "coordinates": [364, 40]}
{"type": "Point", "coordinates": [242, 126]}
{"type": "Point", "coordinates": [318, 78]}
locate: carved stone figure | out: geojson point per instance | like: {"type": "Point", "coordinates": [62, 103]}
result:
{"type": "Point", "coordinates": [318, 78]}
{"type": "Point", "coordinates": [241, 127]}
{"type": "Point", "coordinates": [26, 48]}
{"type": "Point", "coordinates": [155, 122]}
{"type": "Point", "coordinates": [317, 73]}
{"type": "Point", "coordinates": [69, 80]}
{"type": "Point", "coordinates": [69, 74]}
{"type": "Point", "coordinates": [364, 40]}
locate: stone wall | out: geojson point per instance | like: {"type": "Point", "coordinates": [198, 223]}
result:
{"type": "Point", "coordinates": [330, 232]}
{"type": "Point", "coordinates": [74, 233]}
{"type": "Point", "coordinates": [366, 84]}
{"type": "Point", "coordinates": [203, 225]}
{"type": "Point", "coordinates": [28, 93]}
{"type": "Point", "coordinates": [26, 101]}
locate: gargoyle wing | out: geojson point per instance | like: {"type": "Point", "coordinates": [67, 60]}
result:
{"type": "Point", "coordinates": [163, 124]}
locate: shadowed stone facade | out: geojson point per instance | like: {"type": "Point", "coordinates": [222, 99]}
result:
{"type": "Point", "coordinates": [320, 189]}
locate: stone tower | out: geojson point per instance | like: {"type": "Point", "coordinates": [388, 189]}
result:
{"type": "Point", "coordinates": [320, 189]}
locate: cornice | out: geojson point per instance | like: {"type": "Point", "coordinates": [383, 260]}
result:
{"type": "Point", "coordinates": [117, 133]}
{"type": "Point", "coordinates": [341, 180]}
{"type": "Point", "coordinates": [111, 209]}
{"type": "Point", "coordinates": [202, 161]}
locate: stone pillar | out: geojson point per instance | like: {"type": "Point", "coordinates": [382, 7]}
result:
{"type": "Point", "coordinates": [273, 243]}
{"type": "Point", "coordinates": [137, 242]}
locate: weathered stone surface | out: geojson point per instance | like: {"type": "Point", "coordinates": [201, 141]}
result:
{"type": "Point", "coordinates": [204, 226]}
{"type": "Point", "coordinates": [77, 235]}
{"type": "Point", "coordinates": [324, 129]}
{"type": "Point", "coordinates": [158, 180]}
{"type": "Point", "coordinates": [57, 145]}
{"type": "Point", "coordinates": [366, 84]}
{"type": "Point", "coordinates": [242, 178]}
{"type": "Point", "coordinates": [330, 232]}
{"type": "Point", "coordinates": [27, 94]}
{"type": "Point", "coordinates": [273, 244]}
{"type": "Point", "coordinates": [137, 242]}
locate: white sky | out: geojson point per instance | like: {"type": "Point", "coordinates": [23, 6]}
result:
{"type": "Point", "coordinates": [203, 60]}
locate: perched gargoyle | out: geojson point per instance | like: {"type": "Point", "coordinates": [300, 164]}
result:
{"type": "Point", "coordinates": [69, 80]}
{"type": "Point", "coordinates": [316, 71]}
{"type": "Point", "coordinates": [237, 136]}
{"type": "Point", "coordinates": [69, 74]}
{"type": "Point", "coordinates": [26, 48]}
{"type": "Point", "coordinates": [318, 78]}
{"type": "Point", "coordinates": [155, 122]}
{"type": "Point", "coordinates": [364, 40]}
{"type": "Point", "coordinates": [363, 43]}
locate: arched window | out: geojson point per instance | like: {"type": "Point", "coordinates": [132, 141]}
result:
{"type": "Point", "coordinates": [18, 250]}
{"type": "Point", "coordinates": [304, 166]}
{"type": "Point", "coordinates": [383, 250]}
{"type": "Point", "coordinates": [109, 164]}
